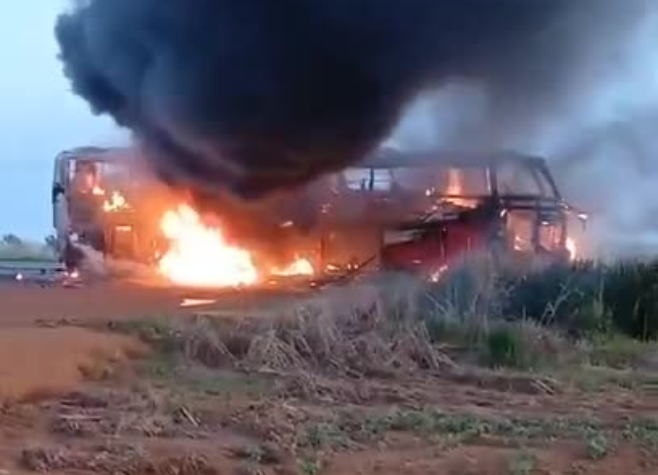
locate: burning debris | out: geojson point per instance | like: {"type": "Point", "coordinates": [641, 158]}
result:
{"type": "Point", "coordinates": [256, 95]}
{"type": "Point", "coordinates": [300, 266]}
{"type": "Point", "coordinates": [116, 202]}
{"type": "Point", "coordinates": [191, 302]}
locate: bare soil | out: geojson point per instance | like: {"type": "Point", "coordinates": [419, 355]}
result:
{"type": "Point", "coordinates": [79, 401]}
{"type": "Point", "coordinates": [36, 362]}
{"type": "Point", "coordinates": [27, 303]}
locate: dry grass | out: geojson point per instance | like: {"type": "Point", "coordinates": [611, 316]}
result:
{"type": "Point", "coordinates": [352, 333]}
{"type": "Point", "coordinates": [111, 459]}
{"type": "Point", "coordinates": [387, 327]}
{"type": "Point", "coordinates": [379, 329]}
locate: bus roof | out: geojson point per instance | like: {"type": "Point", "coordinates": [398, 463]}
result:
{"type": "Point", "coordinates": [394, 158]}
{"type": "Point", "coordinates": [95, 154]}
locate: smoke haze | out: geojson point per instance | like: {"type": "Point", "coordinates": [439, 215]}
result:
{"type": "Point", "coordinates": [601, 141]}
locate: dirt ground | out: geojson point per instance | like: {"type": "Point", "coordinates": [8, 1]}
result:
{"type": "Point", "coordinates": [77, 400]}
{"type": "Point", "coordinates": [36, 362]}
{"type": "Point", "coordinates": [27, 303]}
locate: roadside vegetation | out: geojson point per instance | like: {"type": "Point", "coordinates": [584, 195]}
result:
{"type": "Point", "coordinates": [505, 363]}
{"type": "Point", "coordinates": [602, 315]}
{"type": "Point", "coordinates": [16, 249]}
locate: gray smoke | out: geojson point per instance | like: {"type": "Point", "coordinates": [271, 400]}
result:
{"type": "Point", "coordinates": [600, 139]}
{"type": "Point", "coordinates": [255, 96]}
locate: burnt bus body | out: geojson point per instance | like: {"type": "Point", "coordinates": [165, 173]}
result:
{"type": "Point", "coordinates": [395, 210]}
{"type": "Point", "coordinates": [426, 209]}
{"type": "Point", "coordinates": [102, 202]}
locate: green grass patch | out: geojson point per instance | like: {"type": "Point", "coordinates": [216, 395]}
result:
{"type": "Point", "coordinates": [168, 371]}
{"type": "Point", "coordinates": [598, 446]}
{"type": "Point", "coordinates": [523, 462]}
{"type": "Point", "coordinates": [620, 351]}
{"type": "Point", "coordinates": [309, 466]}
{"type": "Point", "coordinates": [467, 426]}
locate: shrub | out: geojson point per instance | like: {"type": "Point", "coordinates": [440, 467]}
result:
{"type": "Point", "coordinates": [583, 299]}
{"type": "Point", "coordinates": [522, 345]}
{"type": "Point", "coordinates": [631, 294]}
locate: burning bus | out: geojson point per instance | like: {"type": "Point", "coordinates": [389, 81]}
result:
{"type": "Point", "coordinates": [406, 211]}
{"type": "Point", "coordinates": [421, 211]}
{"type": "Point", "coordinates": [101, 202]}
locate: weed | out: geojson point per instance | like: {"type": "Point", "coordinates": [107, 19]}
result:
{"type": "Point", "coordinates": [642, 431]}
{"type": "Point", "coordinates": [618, 351]}
{"type": "Point", "coordinates": [161, 366]}
{"type": "Point", "coordinates": [598, 446]}
{"type": "Point", "coordinates": [524, 345]}
{"type": "Point", "coordinates": [253, 454]}
{"type": "Point", "coordinates": [374, 426]}
{"type": "Point", "coordinates": [308, 466]}
{"type": "Point", "coordinates": [504, 348]}
{"type": "Point", "coordinates": [224, 384]}
{"type": "Point", "coordinates": [318, 436]}
{"type": "Point", "coordinates": [160, 333]}
{"type": "Point", "coordinates": [631, 295]}
{"type": "Point", "coordinates": [595, 378]}
{"type": "Point", "coordinates": [196, 379]}
{"type": "Point", "coordinates": [429, 421]}
{"type": "Point", "coordinates": [523, 463]}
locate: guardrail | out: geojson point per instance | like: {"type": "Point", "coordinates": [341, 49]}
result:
{"type": "Point", "coordinates": [32, 271]}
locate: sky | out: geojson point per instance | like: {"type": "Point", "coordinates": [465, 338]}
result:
{"type": "Point", "coordinates": [39, 116]}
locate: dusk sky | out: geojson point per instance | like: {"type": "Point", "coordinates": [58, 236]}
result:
{"type": "Point", "coordinates": [39, 116]}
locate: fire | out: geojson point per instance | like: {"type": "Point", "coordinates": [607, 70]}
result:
{"type": "Point", "coordinates": [455, 189]}
{"type": "Point", "coordinates": [298, 267]}
{"type": "Point", "coordinates": [572, 248]}
{"type": "Point", "coordinates": [115, 202]}
{"type": "Point", "coordinates": [199, 255]}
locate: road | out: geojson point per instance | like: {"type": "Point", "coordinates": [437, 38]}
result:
{"type": "Point", "coordinates": [24, 303]}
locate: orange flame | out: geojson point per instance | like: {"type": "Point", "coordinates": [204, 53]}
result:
{"type": "Point", "coordinates": [298, 267]}
{"type": "Point", "coordinates": [116, 202]}
{"type": "Point", "coordinates": [199, 256]}
{"type": "Point", "coordinates": [572, 248]}
{"type": "Point", "coordinates": [455, 189]}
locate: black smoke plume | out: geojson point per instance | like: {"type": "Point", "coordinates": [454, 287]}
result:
{"type": "Point", "coordinates": [255, 96]}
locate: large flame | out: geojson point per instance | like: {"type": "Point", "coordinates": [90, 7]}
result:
{"type": "Point", "coordinates": [572, 248]}
{"type": "Point", "coordinates": [199, 255]}
{"type": "Point", "coordinates": [298, 268]}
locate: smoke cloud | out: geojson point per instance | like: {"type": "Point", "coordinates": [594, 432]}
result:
{"type": "Point", "coordinates": [255, 96]}
{"type": "Point", "coordinates": [599, 137]}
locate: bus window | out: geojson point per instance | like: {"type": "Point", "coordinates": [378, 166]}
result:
{"type": "Point", "coordinates": [515, 179]}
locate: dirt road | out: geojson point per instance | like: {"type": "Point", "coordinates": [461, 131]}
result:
{"type": "Point", "coordinates": [55, 358]}
{"type": "Point", "coordinates": [27, 303]}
